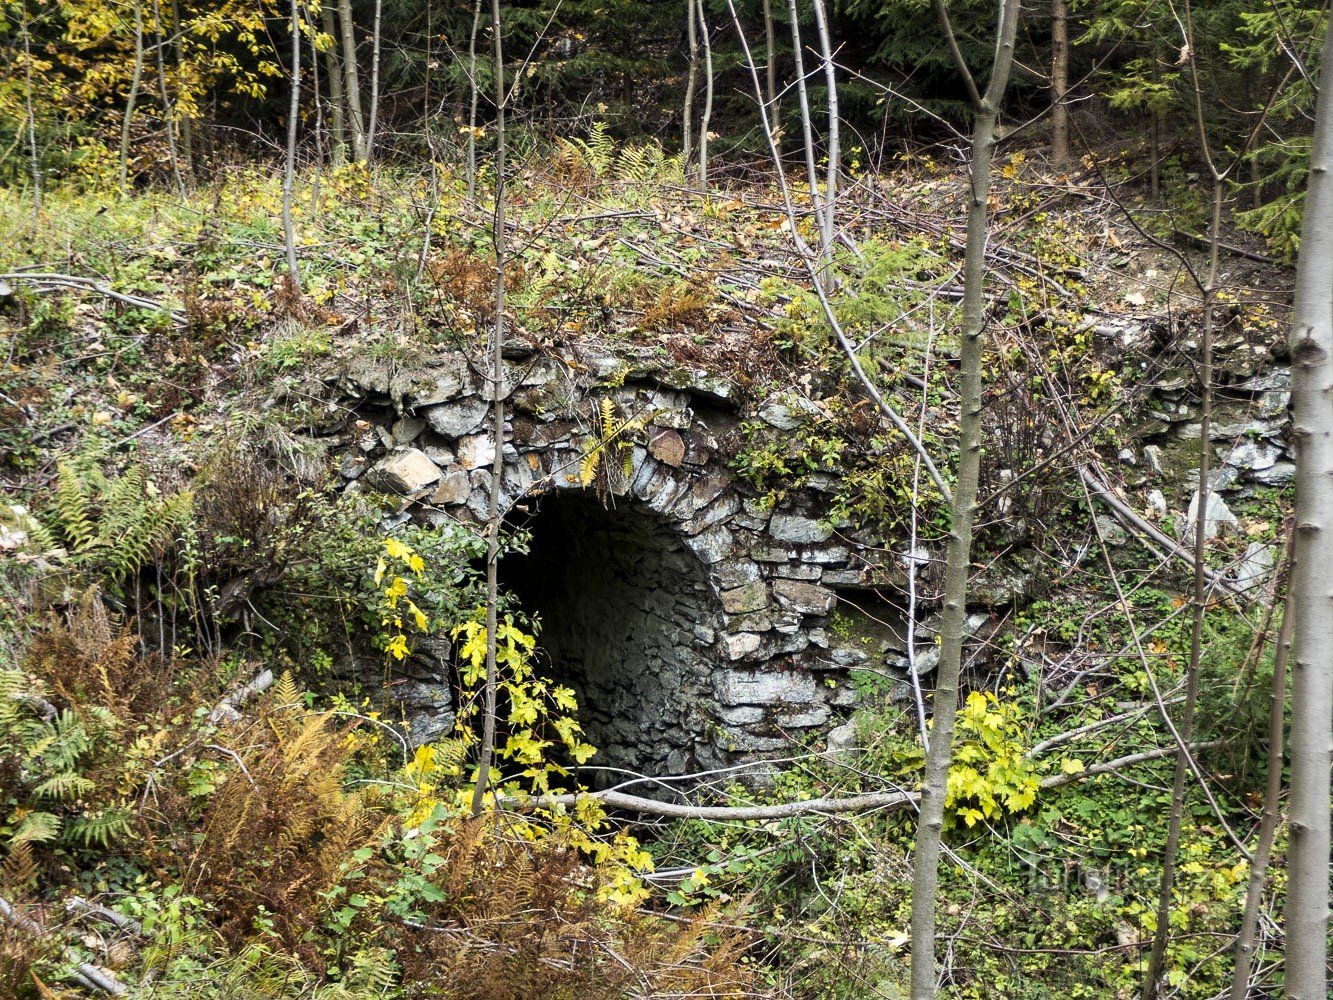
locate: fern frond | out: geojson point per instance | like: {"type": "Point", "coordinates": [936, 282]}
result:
{"type": "Point", "coordinates": [72, 511]}
{"type": "Point", "coordinates": [19, 872]}
{"type": "Point", "coordinates": [37, 828]}
{"type": "Point", "coordinates": [98, 829]}
{"type": "Point", "coordinates": [285, 691]}
{"type": "Point", "coordinates": [66, 786]}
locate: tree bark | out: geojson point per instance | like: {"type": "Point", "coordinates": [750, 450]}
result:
{"type": "Point", "coordinates": [925, 865]}
{"type": "Point", "coordinates": [493, 515]}
{"type": "Point", "coordinates": [1059, 83]}
{"type": "Point", "coordinates": [475, 94]}
{"type": "Point", "coordinates": [834, 150]}
{"type": "Point", "coordinates": [1263, 848]}
{"type": "Point", "coordinates": [289, 171]}
{"type": "Point", "coordinates": [337, 99]}
{"type": "Point", "coordinates": [375, 44]}
{"type": "Point", "coordinates": [706, 120]}
{"type": "Point", "coordinates": [168, 117]}
{"type": "Point", "coordinates": [807, 136]}
{"type": "Point", "coordinates": [29, 111]}
{"type": "Point", "coordinates": [186, 123]}
{"type": "Point", "coordinates": [691, 83]}
{"type": "Point", "coordinates": [352, 79]}
{"type": "Point", "coordinates": [1198, 601]}
{"type": "Point", "coordinates": [771, 69]}
{"type": "Point", "coordinates": [136, 76]}
{"type": "Point", "coordinates": [1312, 574]}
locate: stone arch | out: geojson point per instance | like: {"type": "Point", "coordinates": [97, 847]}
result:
{"type": "Point", "coordinates": [739, 592]}
{"type": "Point", "coordinates": [628, 620]}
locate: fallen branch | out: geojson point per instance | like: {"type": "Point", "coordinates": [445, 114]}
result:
{"type": "Point", "coordinates": [226, 709]}
{"type": "Point", "coordinates": [1153, 538]}
{"type": "Point", "coordinates": [829, 806]}
{"type": "Point", "coordinates": [46, 282]}
{"type": "Point", "coordinates": [91, 976]}
{"type": "Point", "coordinates": [80, 907]}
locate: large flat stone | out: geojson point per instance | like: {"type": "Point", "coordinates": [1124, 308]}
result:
{"type": "Point", "coordinates": [798, 530]}
{"type": "Point", "coordinates": [807, 598]}
{"type": "Point", "coordinates": [757, 687]}
{"type": "Point", "coordinates": [750, 597]}
{"type": "Point", "coordinates": [404, 472]}
{"type": "Point", "coordinates": [476, 451]}
{"type": "Point", "coordinates": [454, 419]}
{"type": "Point", "coordinates": [454, 488]}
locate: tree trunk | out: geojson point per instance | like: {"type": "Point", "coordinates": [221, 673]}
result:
{"type": "Point", "coordinates": [706, 120]}
{"type": "Point", "coordinates": [691, 84]}
{"type": "Point", "coordinates": [168, 117]}
{"type": "Point", "coordinates": [375, 43]}
{"type": "Point", "coordinates": [493, 515]}
{"type": "Point", "coordinates": [337, 100]}
{"type": "Point", "coordinates": [1059, 83]}
{"type": "Point", "coordinates": [834, 151]}
{"type": "Point", "coordinates": [352, 79]}
{"type": "Point", "coordinates": [771, 69]}
{"type": "Point", "coordinates": [475, 89]}
{"type": "Point", "coordinates": [136, 76]}
{"type": "Point", "coordinates": [186, 123]}
{"type": "Point", "coordinates": [1199, 602]}
{"type": "Point", "coordinates": [1312, 592]}
{"type": "Point", "coordinates": [1263, 848]}
{"type": "Point", "coordinates": [925, 866]}
{"type": "Point", "coordinates": [289, 173]}
{"type": "Point", "coordinates": [29, 105]}
{"type": "Point", "coordinates": [807, 134]}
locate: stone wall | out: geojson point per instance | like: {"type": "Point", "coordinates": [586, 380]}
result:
{"type": "Point", "coordinates": [693, 619]}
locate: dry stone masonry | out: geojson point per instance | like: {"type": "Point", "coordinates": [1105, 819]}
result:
{"type": "Point", "coordinates": [692, 620]}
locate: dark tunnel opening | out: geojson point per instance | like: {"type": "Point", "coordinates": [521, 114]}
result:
{"type": "Point", "coordinates": [627, 620]}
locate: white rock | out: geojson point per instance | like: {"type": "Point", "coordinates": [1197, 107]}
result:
{"type": "Point", "coordinates": [476, 451]}
{"type": "Point", "coordinates": [404, 472]}
{"type": "Point", "coordinates": [1217, 517]}
{"type": "Point", "coordinates": [754, 687]}
{"type": "Point", "coordinates": [457, 418]}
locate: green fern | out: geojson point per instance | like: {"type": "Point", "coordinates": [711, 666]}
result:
{"type": "Point", "coordinates": [64, 787]}
{"type": "Point", "coordinates": [98, 829]}
{"type": "Point", "coordinates": [113, 526]}
{"type": "Point", "coordinates": [647, 164]}
{"type": "Point", "coordinates": [37, 828]}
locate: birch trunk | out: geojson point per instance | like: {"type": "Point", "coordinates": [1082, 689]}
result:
{"type": "Point", "coordinates": [691, 83]}
{"type": "Point", "coordinates": [289, 173]}
{"type": "Point", "coordinates": [29, 111]}
{"type": "Point", "coordinates": [807, 133]}
{"type": "Point", "coordinates": [771, 68]}
{"type": "Point", "coordinates": [706, 120]}
{"type": "Point", "coordinates": [168, 117]}
{"type": "Point", "coordinates": [925, 865]}
{"type": "Point", "coordinates": [375, 44]}
{"type": "Point", "coordinates": [475, 95]}
{"type": "Point", "coordinates": [1311, 590]}
{"type": "Point", "coordinates": [1198, 601]}
{"type": "Point", "coordinates": [1263, 849]}
{"type": "Point", "coordinates": [493, 514]}
{"type": "Point", "coordinates": [834, 150]}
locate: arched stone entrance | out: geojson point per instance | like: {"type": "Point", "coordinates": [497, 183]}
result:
{"type": "Point", "coordinates": [691, 616]}
{"type": "Point", "coordinates": [628, 621]}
